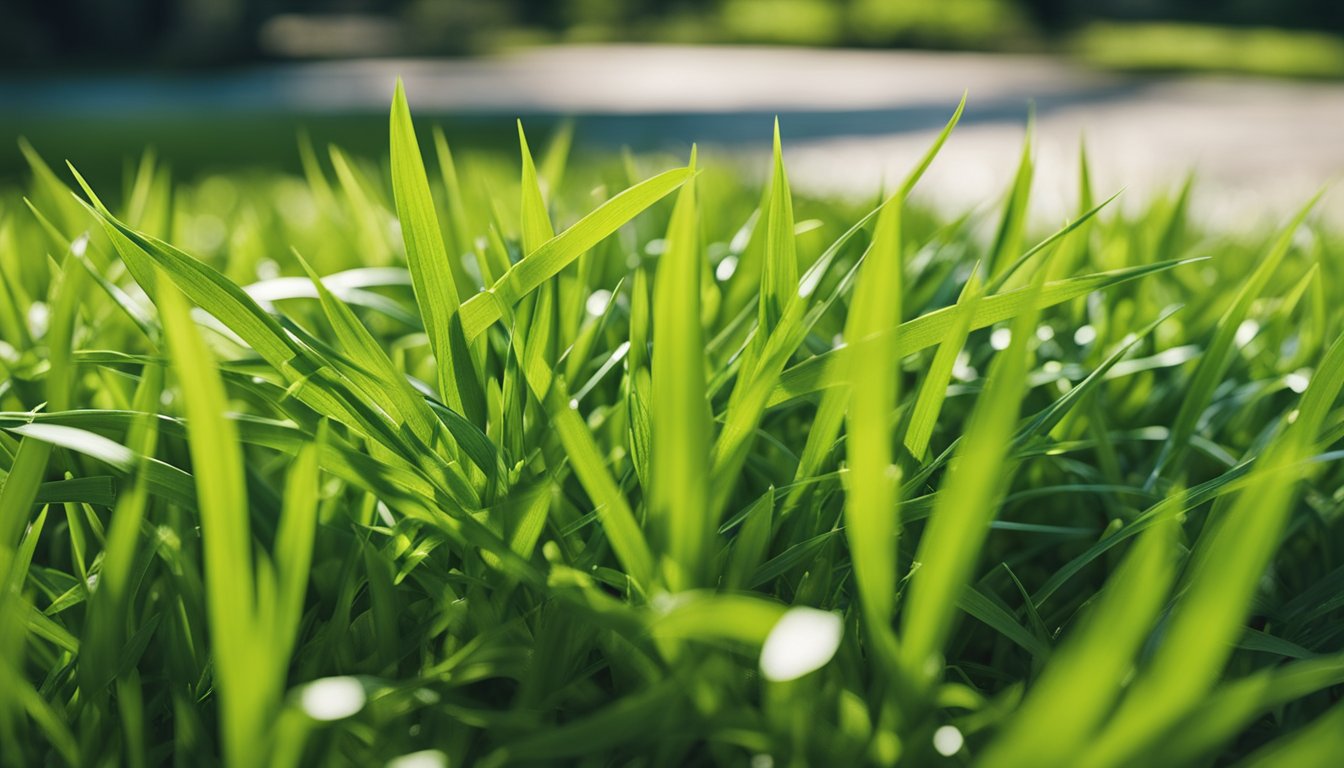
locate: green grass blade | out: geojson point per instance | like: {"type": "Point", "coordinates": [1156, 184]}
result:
{"type": "Point", "coordinates": [1227, 564]}
{"type": "Point", "coordinates": [1081, 681]}
{"type": "Point", "coordinates": [678, 409]}
{"type": "Point", "coordinates": [432, 276]}
{"type": "Point", "coordinates": [222, 500]}
{"type": "Point", "coordinates": [1008, 239]}
{"type": "Point", "coordinates": [1233, 706]}
{"type": "Point", "coordinates": [872, 513]}
{"type": "Point", "coordinates": [1320, 743]}
{"type": "Point", "coordinates": [779, 274]}
{"type": "Point", "coordinates": [967, 501]}
{"type": "Point", "coordinates": [627, 540]}
{"type": "Point", "coordinates": [933, 390]}
{"type": "Point", "coordinates": [294, 551]}
{"type": "Point", "coordinates": [1213, 364]}
{"type": "Point", "coordinates": [536, 222]}
{"type": "Point", "coordinates": [481, 311]}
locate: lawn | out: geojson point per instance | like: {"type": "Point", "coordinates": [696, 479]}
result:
{"type": "Point", "coordinates": [436, 459]}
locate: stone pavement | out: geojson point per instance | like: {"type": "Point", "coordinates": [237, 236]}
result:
{"type": "Point", "coordinates": [849, 118]}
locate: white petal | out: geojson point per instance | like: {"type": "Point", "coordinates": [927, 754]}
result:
{"type": "Point", "coordinates": [802, 641]}
{"type": "Point", "coordinates": [332, 698]}
{"type": "Point", "coordinates": [429, 758]}
{"type": "Point", "coordinates": [948, 740]}
{"type": "Point", "coordinates": [1001, 338]}
{"type": "Point", "coordinates": [1246, 332]}
{"type": "Point", "coordinates": [597, 302]}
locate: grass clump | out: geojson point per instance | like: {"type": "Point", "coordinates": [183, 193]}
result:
{"type": "Point", "coordinates": [618, 464]}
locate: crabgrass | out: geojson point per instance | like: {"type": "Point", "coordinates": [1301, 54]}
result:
{"type": "Point", "coordinates": [440, 459]}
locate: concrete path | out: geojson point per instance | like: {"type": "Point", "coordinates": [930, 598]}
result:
{"type": "Point", "coordinates": [849, 118]}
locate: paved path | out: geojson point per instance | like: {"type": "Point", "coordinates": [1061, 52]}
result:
{"type": "Point", "coordinates": [849, 118]}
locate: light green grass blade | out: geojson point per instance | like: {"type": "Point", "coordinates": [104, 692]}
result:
{"type": "Point", "coordinates": [779, 273]}
{"type": "Point", "coordinates": [932, 392]}
{"type": "Point", "coordinates": [1082, 679]}
{"type": "Point", "coordinates": [555, 159]}
{"type": "Point", "coordinates": [459, 233]}
{"type": "Point", "coordinates": [834, 402]}
{"type": "Point", "coordinates": [1012, 226]}
{"type": "Point", "coordinates": [967, 501]}
{"type": "Point", "coordinates": [1318, 744]}
{"type": "Point", "coordinates": [536, 223]}
{"type": "Point", "coordinates": [872, 513]}
{"type": "Point", "coordinates": [294, 552]}
{"type": "Point", "coordinates": [362, 208]}
{"type": "Point", "coordinates": [29, 464]}
{"type": "Point", "coordinates": [1233, 706]}
{"type": "Point", "coordinates": [222, 500]}
{"type": "Point", "coordinates": [432, 276]}
{"type": "Point", "coordinates": [481, 311]}
{"type": "Point", "coordinates": [231, 305]}
{"type": "Point", "coordinates": [104, 634]}
{"type": "Point", "coordinates": [627, 540]}
{"type": "Point", "coordinates": [678, 409]}
{"type": "Point", "coordinates": [393, 389]}
{"type": "Point", "coordinates": [709, 617]}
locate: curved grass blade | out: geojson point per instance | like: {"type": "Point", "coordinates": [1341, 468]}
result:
{"type": "Point", "coordinates": [967, 501]}
{"type": "Point", "coordinates": [482, 310]}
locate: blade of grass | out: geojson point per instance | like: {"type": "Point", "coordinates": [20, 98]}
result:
{"type": "Point", "coordinates": [432, 276]}
{"type": "Point", "coordinates": [1227, 564]}
{"type": "Point", "coordinates": [1217, 358]}
{"type": "Point", "coordinates": [481, 311]}
{"type": "Point", "coordinates": [872, 506]}
{"type": "Point", "coordinates": [222, 501]}
{"type": "Point", "coordinates": [678, 409]}
{"type": "Point", "coordinates": [1079, 685]}
{"type": "Point", "coordinates": [967, 501]}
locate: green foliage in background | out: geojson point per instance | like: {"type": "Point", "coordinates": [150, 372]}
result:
{"type": "Point", "coordinates": [447, 460]}
{"type": "Point", "coordinates": [1168, 47]}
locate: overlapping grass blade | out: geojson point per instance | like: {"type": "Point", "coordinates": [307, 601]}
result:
{"type": "Point", "coordinates": [967, 501]}
{"type": "Point", "coordinates": [1227, 564]}
{"type": "Point", "coordinates": [816, 374]}
{"type": "Point", "coordinates": [481, 311]}
{"type": "Point", "coordinates": [1213, 364]}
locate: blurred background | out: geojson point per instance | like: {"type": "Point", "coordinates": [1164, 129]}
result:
{"type": "Point", "coordinates": [1289, 36]}
{"type": "Point", "coordinates": [1247, 93]}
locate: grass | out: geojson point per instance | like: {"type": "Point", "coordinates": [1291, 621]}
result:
{"type": "Point", "coordinates": [438, 460]}
{"type": "Point", "coordinates": [1181, 47]}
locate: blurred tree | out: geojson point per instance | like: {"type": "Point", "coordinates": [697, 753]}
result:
{"type": "Point", "coordinates": [83, 33]}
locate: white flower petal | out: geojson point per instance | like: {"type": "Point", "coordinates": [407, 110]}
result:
{"type": "Point", "coordinates": [429, 758]}
{"type": "Point", "coordinates": [802, 641]}
{"type": "Point", "coordinates": [332, 698]}
{"type": "Point", "coordinates": [948, 740]}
